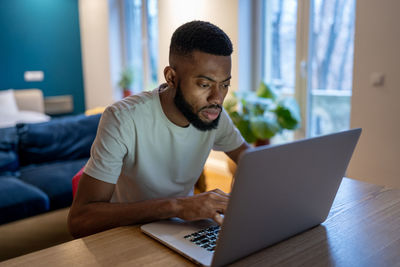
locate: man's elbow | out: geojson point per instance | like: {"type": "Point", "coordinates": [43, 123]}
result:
{"type": "Point", "coordinates": [74, 225]}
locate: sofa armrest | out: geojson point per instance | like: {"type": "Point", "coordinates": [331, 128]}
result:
{"type": "Point", "coordinates": [30, 99]}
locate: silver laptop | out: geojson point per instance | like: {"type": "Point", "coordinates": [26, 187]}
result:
{"type": "Point", "coordinates": [279, 191]}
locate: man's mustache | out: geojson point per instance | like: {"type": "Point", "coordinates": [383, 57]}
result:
{"type": "Point", "coordinates": [215, 106]}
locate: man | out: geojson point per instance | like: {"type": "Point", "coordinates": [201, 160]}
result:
{"type": "Point", "coordinates": [151, 148]}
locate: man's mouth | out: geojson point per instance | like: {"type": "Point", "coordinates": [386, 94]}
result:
{"type": "Point", "coordinates": [211, 113]}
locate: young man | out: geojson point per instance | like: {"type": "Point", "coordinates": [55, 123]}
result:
{"type": "Point", "coordinates": [151, 148]}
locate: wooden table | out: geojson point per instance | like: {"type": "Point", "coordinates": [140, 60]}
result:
{"type": "Point", "coordinates": [363, 229]}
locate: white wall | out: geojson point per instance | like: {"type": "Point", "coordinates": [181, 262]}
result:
{"type": "Point", "coordinates": [94, 26]}
{"type": "Point", "coordinates": [377, 109]}
{"type": "Point", "coordinates": [173, 13]}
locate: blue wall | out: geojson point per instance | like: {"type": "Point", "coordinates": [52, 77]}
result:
{"type": "Point", "coordinates": [42, 35]}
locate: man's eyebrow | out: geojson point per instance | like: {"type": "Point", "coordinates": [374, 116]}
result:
{"type": "Point", "coordinates": [212, 80]}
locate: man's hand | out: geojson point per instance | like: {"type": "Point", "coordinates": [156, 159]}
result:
{"type": "Point", "coordinates": [209, 204]}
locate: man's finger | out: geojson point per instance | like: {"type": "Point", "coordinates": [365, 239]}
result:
{"type": "Point", "coordinates": [220, 192]}
{"type": "Point", "coordinates": [218, 218]}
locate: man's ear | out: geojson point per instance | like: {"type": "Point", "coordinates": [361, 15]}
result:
{"type": "Point", "coordinates": [170, 76]}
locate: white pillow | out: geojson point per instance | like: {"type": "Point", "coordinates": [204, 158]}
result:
{"type": "Point", "coordinates": [24, 116]}
{"type": "Point", "coordinates": [8, 105]}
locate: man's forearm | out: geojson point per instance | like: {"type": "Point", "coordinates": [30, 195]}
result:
{"type": "Point", "coordinates": [86, 218]}
{"type": "Point", "coordinates": [95, 217]}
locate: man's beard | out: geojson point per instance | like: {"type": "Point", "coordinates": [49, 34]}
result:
{"type": "Point", "coordinates": [192, 117]}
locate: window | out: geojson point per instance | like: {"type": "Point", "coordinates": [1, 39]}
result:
{"type": "Point", "coordinates": [141, 44]}
{"type": "Point", "coordinates": [308, 52]}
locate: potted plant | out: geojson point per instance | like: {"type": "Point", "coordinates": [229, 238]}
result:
{"type": "Point", "coordinates": [125, 81]}
{"type": "Point", "coordinates": [261, 115]}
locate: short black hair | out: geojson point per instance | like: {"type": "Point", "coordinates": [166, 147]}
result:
{"type": "Point", "coordinates": [200, 36]}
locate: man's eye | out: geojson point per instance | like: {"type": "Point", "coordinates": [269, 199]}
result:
{"type": "Point", "coordinates": [204, 85]}
{"type": "Point", "coordinates": [226, 86]}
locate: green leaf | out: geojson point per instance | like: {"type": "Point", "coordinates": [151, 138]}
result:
{"type": "Point", "coordinates": [126, 79]}
{"type": "Point", "coordinates": [258, 110]}
{"type": "Point", "coordinates": [235, 117]}
{"type": "Point", "coordinates": [264, 127]}
{"type": "Point", "coordinates": [230, 104]}
{"type": "Point", "coordinates": [288, 113]}
{"type": "Point", "coordinates": [244, 128]}
{"type": "Point", "coordinates": [265, 91]}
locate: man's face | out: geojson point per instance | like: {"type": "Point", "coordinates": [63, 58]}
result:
{"type": "Point", "coordinates": [203, 83]}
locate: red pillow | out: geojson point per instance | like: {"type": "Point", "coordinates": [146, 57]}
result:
{"type": "Point", "coordinates": [75, 181]}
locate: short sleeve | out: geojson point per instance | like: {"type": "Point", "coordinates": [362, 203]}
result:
{"type": "Point", "coordinates": [228, 137]}
{"type": "Point", "coordinates": [110, 146]}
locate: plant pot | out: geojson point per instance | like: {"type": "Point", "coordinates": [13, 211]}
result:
{"type": "Point", "coordinates": [127, 92]}
{"type": "Point", "coordinates": [262, 142]}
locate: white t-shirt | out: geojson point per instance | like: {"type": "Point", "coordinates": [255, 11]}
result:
{"type": "Point", "coordinates": [147, 156]}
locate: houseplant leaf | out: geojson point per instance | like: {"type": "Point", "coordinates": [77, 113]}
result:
{"type": "Point", "coordinates": [264, 127]}
{"type": "Point", "coordinates": [243, 126]}
{"type": "Point", "coordinates": [264, 91]}
{"type": "Point", "coordinates": [288, 114]}
{"type": "Point", "coordinates": [126, 79]}
{"type": "Point", "coordinates": [230, 104]}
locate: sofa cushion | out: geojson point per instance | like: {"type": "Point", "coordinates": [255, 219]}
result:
{"type": "Point", "coordinates": [8, 104]}
{"type": "Point", "coordinates": [55, 179]}
{"type": "Point", "coordinates": [19, 200]}
{"type": "Point", "coordinates": [8, 162]}
{"type": "Point", "coordinates": [8, 150]}
{"type": "Point", "coordinates": [64, 138]}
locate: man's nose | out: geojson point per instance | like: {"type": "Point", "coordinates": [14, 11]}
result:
{"type": "Point", "coordinates": [216, 96]}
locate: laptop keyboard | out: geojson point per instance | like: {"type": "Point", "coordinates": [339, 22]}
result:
{"type": "Point", "coordinates": [205, 238]}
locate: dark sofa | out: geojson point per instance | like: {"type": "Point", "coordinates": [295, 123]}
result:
{"type": "Point", "coordinates": [38, 161]}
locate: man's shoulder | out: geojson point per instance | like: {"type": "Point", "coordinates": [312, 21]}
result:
{"type": "Point", "coordinates": [132, 103]}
